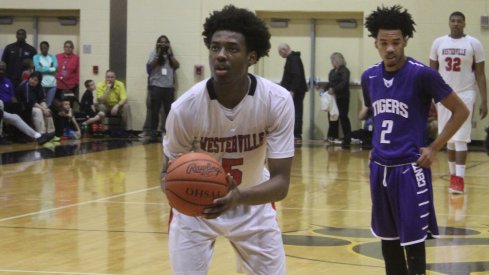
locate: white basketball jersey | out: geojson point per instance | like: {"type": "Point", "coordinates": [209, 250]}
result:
{"type": "Point", "coordinates": [457, 59]}
{"type": "Point", "coordinates": [261, 126]}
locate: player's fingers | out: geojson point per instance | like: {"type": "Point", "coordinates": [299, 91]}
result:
{"type": "Point", "coordinates": [215, 211]}
{"type": "Point", "coordinates": [231, 183]}
{"type": "Point", "coordinates": [483, 114]}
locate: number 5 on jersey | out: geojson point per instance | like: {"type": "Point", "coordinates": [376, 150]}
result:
{"type": "Point", "coordinates": [228, 164]}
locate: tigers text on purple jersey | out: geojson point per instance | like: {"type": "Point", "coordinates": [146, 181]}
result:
{"type": "Point", "coordinates": [400, 102]}
{"type": "Point", "coordinates": [390, 106]}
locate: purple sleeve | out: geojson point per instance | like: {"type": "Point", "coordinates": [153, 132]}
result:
{"type": "Point", "coordinates": [434, 84]}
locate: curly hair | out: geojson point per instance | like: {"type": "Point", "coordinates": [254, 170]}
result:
{"type": "Point", "coordinates": [243, 21]}
{"type": "Point", "coordinates": [393, 18]}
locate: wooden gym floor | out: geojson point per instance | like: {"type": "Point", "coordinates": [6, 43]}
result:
{"type": "Point", "coordinates": [94, 207]}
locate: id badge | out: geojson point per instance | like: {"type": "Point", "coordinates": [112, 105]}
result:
{"type": "Point", "coordinates": [164, 71]}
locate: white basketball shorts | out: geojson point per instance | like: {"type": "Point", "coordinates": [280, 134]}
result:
{"type": "Point", "coordinates": [463, 134]}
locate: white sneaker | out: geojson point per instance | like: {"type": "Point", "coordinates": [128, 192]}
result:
{"type": "Point", "coordinates": [143, 134]}
{"type": "Point", "coordinates": [337, 141]}
{"type": "Point", "coordinates": [356, 141]}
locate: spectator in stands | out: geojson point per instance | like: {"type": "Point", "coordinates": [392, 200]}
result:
{"type": "Point", "coordinates": [162, 65]}
{"type": "Point", "coordinates": [339, 86]}
{"type": "Point", "coordinates": [47, 65]}
{"type": "Point", "coordinates": [28, 69]}
{"type": "Point", "coordinates": [67, 76]}
{"type": "Point", "coordinates": [112, 98]}
{"type": "Point", "coordinates": [34, 108]}
{"type": "Point", "coordinates": [65, 122]}
{"type": "Point", "coordinates": [88, 109]}
{"type": "Point", "coordinates": [6, 86]}
{"type": "Point", "coordinates": [17, 122]}
{"type": "Point", "coordinates": [364, 135]}
{"type": "Point", "coordinates": [14, 55]}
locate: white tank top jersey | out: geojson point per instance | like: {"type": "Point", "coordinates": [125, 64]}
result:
{"type": "Point", "coordinates": [457, 59]}
{"type": "Point", "coordinates": [261, 126]}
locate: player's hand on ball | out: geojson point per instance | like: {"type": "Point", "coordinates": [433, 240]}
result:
{"type": "Point", "coordinates": [225, 203]}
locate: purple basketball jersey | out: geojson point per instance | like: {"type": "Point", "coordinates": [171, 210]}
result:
{"type": "Point", "coordinates": [400, 103]}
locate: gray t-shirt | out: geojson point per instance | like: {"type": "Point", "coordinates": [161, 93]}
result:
{"type": "Point", "coordinates": [161, 75]}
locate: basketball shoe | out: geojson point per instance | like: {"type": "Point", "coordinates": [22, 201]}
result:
{"type": "Point", "coordinates": [456, 185]}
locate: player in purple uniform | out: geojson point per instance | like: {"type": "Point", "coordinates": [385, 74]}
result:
{"type": "Point", "coordinates": [398, 92]}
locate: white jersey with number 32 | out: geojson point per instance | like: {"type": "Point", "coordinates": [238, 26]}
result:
{"type": "Point", "coordinates": [456, 59]}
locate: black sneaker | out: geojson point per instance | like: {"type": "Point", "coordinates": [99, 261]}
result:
{"type": "Point", "coordinates": [45, 138]}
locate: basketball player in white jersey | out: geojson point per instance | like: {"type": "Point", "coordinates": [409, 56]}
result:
{"type": "Point", "coordinates": [459, 58]}
{"type": "Point", "coordinates": [246, 122]}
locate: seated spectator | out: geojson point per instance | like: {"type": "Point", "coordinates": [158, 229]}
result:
{"type": "Point", "coordinates": [364, 135]}
{"type": "Point", "coordinates": [6, 86]}
{"type": "Point", "coordinates": [112, 98]}
{"type": "Point", "coordinates": [17, 122]}
{"type": "Point", "coordinates": [89, 111]}
{"type": "Point", "coordinates": [34, 109]}
{"type": "Point", "coordinates": [65, 122]}
{"type": "Point", "coordinates": [28, 66]}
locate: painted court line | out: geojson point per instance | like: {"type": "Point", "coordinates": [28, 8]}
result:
{"type": "Point", "coordinates": [76, 204]}
{"type": "Point", "coordinates": [52, 272]}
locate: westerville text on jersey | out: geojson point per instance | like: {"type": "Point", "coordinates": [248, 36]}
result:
{"type": "Point", "coordinates": [233, 144]}
{"type": "Point", "coordinates": [388, 105]}
{"type": "Point", "coordinates": [453, 51]}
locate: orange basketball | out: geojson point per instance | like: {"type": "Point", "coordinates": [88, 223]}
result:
{"type": "Point", "coordinates": [193, 181]}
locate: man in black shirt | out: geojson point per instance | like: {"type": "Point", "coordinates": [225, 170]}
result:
{"type": "Point", "coordinates": [15, 54]}
{"type": "Point", "coordinates": [294, 80]}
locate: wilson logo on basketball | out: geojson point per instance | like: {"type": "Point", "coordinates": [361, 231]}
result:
{"type": "Point", "coordinates": [204, 170]}
{"type": "Point", "coordinates": [194, 192]}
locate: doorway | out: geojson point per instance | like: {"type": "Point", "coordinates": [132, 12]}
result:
{"type": "Point", "coordinates": [316, 36]}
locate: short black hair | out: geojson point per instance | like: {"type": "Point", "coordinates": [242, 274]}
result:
{"type": "Point", "coordinates": [243, 21]}
{"type": "Point", "coordinates": [44, 43]}
{"type": "Point", "coordinates": [457, 13]}
{"type": "Point", "coordinates": [393, 18]}
{"type": "Point", "coordinates": [87, 82]}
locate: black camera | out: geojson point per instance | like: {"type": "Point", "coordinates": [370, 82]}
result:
{"type": "Point", "coordinates": [163, 46]}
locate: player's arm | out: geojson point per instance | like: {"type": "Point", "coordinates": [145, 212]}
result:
{"type": "Point", "coordinates": [480, 77]}
{"type": "Point", "coordinates": [163, 173]}
{"type": "Point", "coordinates": [434, 64]}
{"type": "Point", "coordinates": [459, 114]}
{"type": "Point", "coordinates": [275, 189]}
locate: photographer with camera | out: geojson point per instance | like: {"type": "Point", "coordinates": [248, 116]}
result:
{"type": "Point", "coordinates": [161, 65]}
